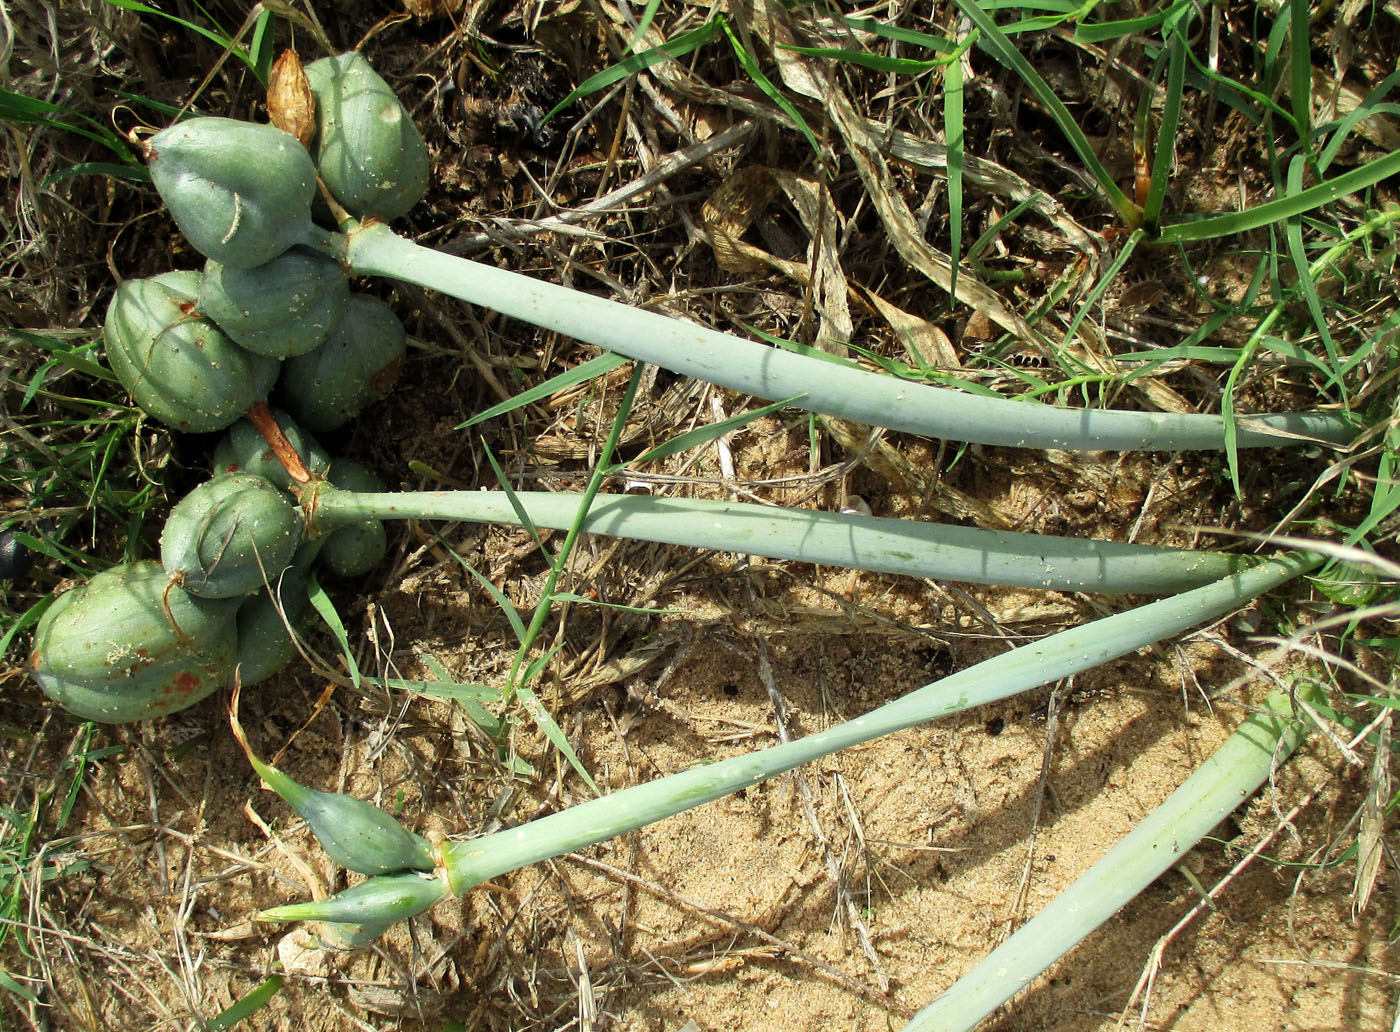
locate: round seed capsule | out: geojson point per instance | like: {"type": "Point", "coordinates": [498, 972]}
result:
{"type": "Point", "coordinates": [178, 366]}
{"type": "Point", "coordinates": [240, 192]}
{"type": "Point", "coordinates": [287, 307]}
{"type": "Point", "coordinates": [367, 149]}
{"type": "Point", "coordinates": [229, 536]}
{"type": "Point", "coordinates": [128, 645]}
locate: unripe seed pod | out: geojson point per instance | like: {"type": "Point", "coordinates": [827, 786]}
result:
{"type": "Point", "coordinates": [335, 935]}
{"type": "Point", "coordinates": [264, 644]}
{"type": "Point", "coordinates": [367, 149]}
{"type": "Point", "coordinates": [286, 307]}
{"type": "Point", "coordinates": [381, 900]}
{"type": "Point", "coordinates": [240, 192]}
{"type": "Point", "coordinates": [355, 834]}
{"type": "Point", "coordinates": [229, 536]}
{"type": "Point", "coordinates": [355, 367]}
{"type": "Point", "coordinates": [178, 366]}
{"type": "Point", "coordinates": [128, 645]}
{"type": "Point", "coordinates": [354, 550]}
{"type": "Point", "coordinates": [244, 450]}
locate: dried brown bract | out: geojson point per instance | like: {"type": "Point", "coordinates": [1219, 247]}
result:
{"type": "Point", "coordinates": [291, 106]}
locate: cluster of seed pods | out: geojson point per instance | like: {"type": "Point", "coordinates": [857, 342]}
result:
{"type": "Point", "coordinates": [268, 315]}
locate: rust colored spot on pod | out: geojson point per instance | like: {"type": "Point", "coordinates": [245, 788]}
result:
{"type": "Point", "coordinates": [387, 377]}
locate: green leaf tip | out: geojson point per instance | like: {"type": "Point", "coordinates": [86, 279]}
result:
{"type": "Point", "coordinates": [355, 834]}
{"type": "Point", "coordinates": [374, 904]}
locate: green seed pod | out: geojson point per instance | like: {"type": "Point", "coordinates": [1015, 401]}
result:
{"type": "Point", "coordinates": [287, 307]}
{"type": "Point", "coordinates": [367, 149]}
{"type": "Point", "coordinates": [335, 935]}
{"type": "Point", "coordinates": [180, 367]}
{"type": "Point", "coordinates": [128, 645]}
{"type": "Point", "coordinates": [229, 536]}
{"type": "Point", "coordinates": [244, 450]}
{"type": "Point", "coordinates": [240, 192]}
{"type": "Point", "coordinates": [381, 901]}
{"type": "Point", "coordinates": [264, 645]}
{"type": "Point", "coordinates": [356, 835]}
{"type": "Point", "coordinates": [354, 550]}
{"type": "Point", "coordinates": [324, 388]}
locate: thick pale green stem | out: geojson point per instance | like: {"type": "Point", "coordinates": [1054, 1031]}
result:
{"type": "Point", "coordinates": [766, 372]}
{"type": "Point", "coordinates": [883, 545]}
{"type": "Point", "coordinates": [1222, 783]}
{"type": "Point", "coordinates": [471, 862]}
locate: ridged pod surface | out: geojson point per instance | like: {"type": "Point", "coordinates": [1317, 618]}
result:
{"type": "Point", "coordinates": [354, 550]}
{"type": "Point", "coordinates": [128, 645]}
{"type": "Point", "coordinates": [229, 536]}
{"type": "Point", "coordinates": [367, 149]}
{"type": "Point", "coordinates": [286, 307]}
{"type": "Point", "coordinates": [240, 192]}
{"type": "Point", "coordinates": [244, 450]}
{"type": "Point", "coordinates": [356, 366]}
{"type": "Point", "coordinates": [178, 366]}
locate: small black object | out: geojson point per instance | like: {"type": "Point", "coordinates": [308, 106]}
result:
{"type": "Point", "coordinates": [15, 559]}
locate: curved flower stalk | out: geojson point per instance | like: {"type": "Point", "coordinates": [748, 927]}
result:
{"type": "Point", "coordinates": [819, 386]}
{"type": "Point", "coordinates": [465, 864]}
{"type": "Point", "coordinates": [719, 358]}
{"type": "Point", "coordinates": [1231, 775]}
{"type": "Point", "coordinates": [875, 543]}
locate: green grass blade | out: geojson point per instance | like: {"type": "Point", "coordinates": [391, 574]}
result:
{"type": "Point", "coordinates": [24, 110]}
{"type": "Point", "coordinates": [262, 51]}
{"type": "Point", "coordinates": [1371, 105]}
{"type": "Point", "coordinates": [1300, 68]}
{"type": "Point", "coordinates": [1297, 251]}
{"type": "Point", "coordinates": [545, 721]}
{"type": "Point", "coordinates": [953, 134]}
{"type": "Point", "coordinates": [517, 684]}
{"type": "Point", "coordinates": [864, 59]}
{"type": "Point", "coordinates": [126, 173]}
{"type": "Point", "coordinates": [218, 38]}
{"type": "Point", "coordinates": [455, 691]}
{"type": "Point", "coordinates": [898, 34]}
{"type": "Point", "coordinates": [247, 1006]}
{"type": "Point", "coordinates": [594, 367]}
{"type": "Point", "coordinates": [751, 68]}
{"type": "Point", "coordinates": [1167, 131]}
{"type": "Point", "coordinates": [506, 606]}
{"type": "Point", "coordinates": [520, 511]}
{"type": "Point", "coordinates": [995, 43]}
{"type": "Point", "coordinates": [325, 608]}
{"type": "Point", "coordinates": [12, 985]}
{"type": "Point", "coordinates": [678, 47]}
{"type": "Point", "coordinates": [1101, 32]}
{"type": "Point", "coordinates": [703, 435]}
{"type": "Point", "coordinates": [1105, 281]}
{"type": "Point", "coordinates": [643, 23]}
{"type": "Point", "coordinates": [1277, 210]}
